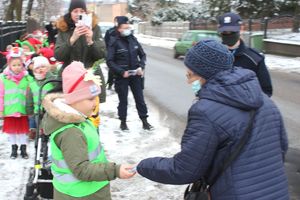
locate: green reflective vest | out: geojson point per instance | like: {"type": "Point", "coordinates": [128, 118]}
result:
{"type": "Point", "coordinates": [35, 89]}
{"type": "Point", "coordinates": [63, 179]}
{"type": "Point", "coordinates": [15, 95]}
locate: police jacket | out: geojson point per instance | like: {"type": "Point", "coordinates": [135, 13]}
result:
{"type": "Point", "coordinates": [124, 53]}
{"type": "Point", "coordinates": [215, 124]}
{"type": "Point", "coordinates": [250, 58]}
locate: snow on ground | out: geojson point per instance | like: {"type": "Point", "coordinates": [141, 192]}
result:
{"type": "Point", "coordinates": [279, 63]}
{"type": "Point", "coordinates": [13, 173]}
{"type": "Point", "coordinates": [133, 146]}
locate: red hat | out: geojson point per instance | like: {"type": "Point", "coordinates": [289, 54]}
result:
{"type": "Point", "coordinates": [48, 53]}
{"type": "Point", "coordinates": [34, 41]}
{"type": "Point", "coordinates": [78, 84]}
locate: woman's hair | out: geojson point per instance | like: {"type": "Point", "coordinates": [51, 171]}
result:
{"type": "Point", "coordinates": [69, 21]}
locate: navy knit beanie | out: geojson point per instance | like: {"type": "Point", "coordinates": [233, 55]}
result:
{"type": "Point", "coordinates": [208, 57]}
{"type": "Point", "coordinates": [122, 20]}
{"type": "Point", "coordinates": [77, 4]}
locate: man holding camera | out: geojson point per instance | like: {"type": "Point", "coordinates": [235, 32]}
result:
{"type": "Point", "coordinates": [126, 58]}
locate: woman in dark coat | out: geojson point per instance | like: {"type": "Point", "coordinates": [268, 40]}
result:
{"type": "Point", "coordinates": [216, 122]}
{"type": "Point", "coordinates": [78, 42]}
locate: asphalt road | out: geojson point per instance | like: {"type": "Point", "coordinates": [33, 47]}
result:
{"type": "Point", "coordinates": [166, 87]}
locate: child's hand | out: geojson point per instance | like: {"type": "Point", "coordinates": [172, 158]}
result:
{"type": "Point", "coordinates": [127, 171]}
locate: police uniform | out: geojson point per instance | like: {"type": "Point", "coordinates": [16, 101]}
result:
{"type": "Point", "coordinates": [245, 57]}
{"type": "Point", "coordinates": [123, 54]}
{"type": "Point", "coordinates": [251, 59]}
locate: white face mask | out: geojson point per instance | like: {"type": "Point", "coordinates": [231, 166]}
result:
{"type": "Point", "coordinates": [126, 32]}
{"type": "Point", "coordinates": [39, 76]}
{"type": "Point", "coordinates": [196, 86]}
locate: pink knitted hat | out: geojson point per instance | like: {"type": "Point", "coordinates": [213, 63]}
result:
{"type": "Point", "coordinates": [78, 84]}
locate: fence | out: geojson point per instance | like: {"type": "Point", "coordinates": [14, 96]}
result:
{"type": "Point", "coordinates": [10, 32]}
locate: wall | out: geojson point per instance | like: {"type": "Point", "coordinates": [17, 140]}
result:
{"type": "Point", "coordinates": [166, 29]}
{"type": "Point", "coordinates": [107, 12]}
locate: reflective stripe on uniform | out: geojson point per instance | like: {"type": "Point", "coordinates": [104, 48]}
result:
{"type": "Point", "coordinates": [14, 101]}
{"type": "Point", "coordinates": [14, 91]}
{"type": "Point", "coordinates": [92, 155]}
{"type": "Point", "coordinates": [64, 178]}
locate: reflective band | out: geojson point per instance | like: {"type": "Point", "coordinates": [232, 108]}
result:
{"type": "Point", "coordinates": [44, 92]}
{"type": "Point", "coordinates": [15, 101]}
{"type": "Point", "coordinates": [15, 91]}
{"type": "Point", "coordinates": [61, 164]}
{"type": "Point", "coordinates": [65, 178]}
{"type": "Point", "coordinates": [92, 155]}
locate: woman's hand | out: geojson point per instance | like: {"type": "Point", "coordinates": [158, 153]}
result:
{"type": "Point", "coordinates": [78, 31]}
{"type": "Point", "coordinates": [89, 36]}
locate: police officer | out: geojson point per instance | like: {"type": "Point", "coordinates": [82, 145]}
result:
{"type": "Point", "coordinates": [246, 57]}
{"type": "Point", "coordinates": [126, 58]}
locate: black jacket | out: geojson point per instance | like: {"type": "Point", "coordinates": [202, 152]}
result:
{"type": "Point", "coordinates": [52, 32]}
{"type": "Point", "coordinates": [249, 58]}
{"type": "Point", "coordinates": [110, 32]}
{"type": "Point", "coordinates": [124, 53]}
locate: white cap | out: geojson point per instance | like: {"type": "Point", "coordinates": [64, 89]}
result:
{"type": "Point", "coordinates": [40, 61]}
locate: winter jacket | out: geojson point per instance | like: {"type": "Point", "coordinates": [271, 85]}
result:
{"type": "Point", "coordinates": [73, 145]}
{"type": "Point", "coordinates": [249, 58]}
{"type": "Point", "coordinates": [32, 106]}
{"type": "Point", "coordinates": [80, 51]}
{"type": "Point", "coordinates": [216, 122]}
{"type": "Point", "coordinates": [124, 53]}
{"type": "Point", "coordinates": [52, 33]}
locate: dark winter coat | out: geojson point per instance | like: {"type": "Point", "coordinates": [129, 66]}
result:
{"type": "Point", "coordinates": [124, 53]}
{"type": "Point", "coordinates": [52, 32]}
{"type": "Point", "coordinates": [110, 32]}
{"type": "Point", "coordinates": [215, 124]}
{"type": "Point", "coordinates": [250, 58]}
{"type": "Point", "coordinates": [80, 51]}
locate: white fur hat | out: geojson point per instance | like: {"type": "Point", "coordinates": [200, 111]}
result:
{"type": "Point", "coordinates": [40, 61]}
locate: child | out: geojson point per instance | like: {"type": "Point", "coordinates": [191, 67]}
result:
{"type": "Point", "coordinates": [41, 73]}
{"type": "Point", "coordinates": [13, 89]}
{"type": "Point", "coordinates": [79, 164]}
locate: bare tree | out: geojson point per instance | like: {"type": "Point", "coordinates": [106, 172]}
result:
{"type": "Point", "coordinates": [296, 23]}
{"type": "Point", "coordinates": [29, 7]}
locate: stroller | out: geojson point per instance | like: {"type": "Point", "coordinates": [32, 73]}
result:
{"type": "Point", "coordinates": [39, 184]}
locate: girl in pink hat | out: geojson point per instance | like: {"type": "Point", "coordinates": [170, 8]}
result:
{"type": "Point", "coordinates": [14, 85]}
{"type": "Point", "coordinates": [79, 165]}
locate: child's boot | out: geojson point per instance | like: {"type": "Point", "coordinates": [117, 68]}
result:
{"type": "Point", "coordinates": [23, 151]}
{"type": "Point", "coordinates": [14, 151]}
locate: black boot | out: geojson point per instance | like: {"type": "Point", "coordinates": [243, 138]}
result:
{"type": "Point", "coordinates": [23, 151]}
{"type": "Point", "coordinates": [146, 125]}
{"type": "Point", "coordinates": [123, 125]}
{"type": "Point", "coordinates": [14, 151]}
